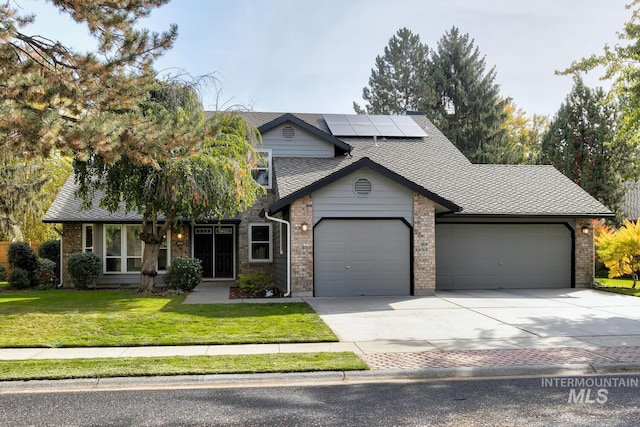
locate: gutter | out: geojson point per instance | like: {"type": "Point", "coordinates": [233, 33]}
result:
{"type": "Point", "coordinates": [264, 214]}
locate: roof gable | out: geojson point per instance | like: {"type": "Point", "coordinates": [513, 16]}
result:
{"type": "Point", "coordinates": [364, 162]}
{"type": "Point", "coordinates": [288, 117]}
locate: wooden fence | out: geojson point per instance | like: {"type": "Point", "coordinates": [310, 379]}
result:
{"type": "Point", "coordinates": [4, 249]}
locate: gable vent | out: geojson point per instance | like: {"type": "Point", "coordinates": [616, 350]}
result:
{"type": "Point", "coordinates": [288, 132]}
{"type": "Point", "coordinates": [362, 187]}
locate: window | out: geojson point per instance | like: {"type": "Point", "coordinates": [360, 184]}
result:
{"type": "Point", "coordinates": [260, 242]}
{"type": "Point", "coordinates": [262, 170]}
{"type": "Point", "coordinates": [87, 237]}
{"type": "Point", "coordinates": [123, 249]}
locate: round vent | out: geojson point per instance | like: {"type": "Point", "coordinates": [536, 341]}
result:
{"type": "Point", "coordinates": [288, 132]}
{"type": "Point", "coordinates": [362, 187]}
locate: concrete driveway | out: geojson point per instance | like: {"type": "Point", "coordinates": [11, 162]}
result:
{"type": "Point", "coordinates": [491, 319]}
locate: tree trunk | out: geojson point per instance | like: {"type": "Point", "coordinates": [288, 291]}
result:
{"type": "Point", "coordinates": [149, 263]}
{"type": "Point", "coordinates": [635, 279]}
{"type": "Point", "coordinates": [15, 232]}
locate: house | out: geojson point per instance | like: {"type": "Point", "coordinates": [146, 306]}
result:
{"type": "Point", "coordinates": [631, 202]}
{"type": "Point", "coordinates": [369, 205]}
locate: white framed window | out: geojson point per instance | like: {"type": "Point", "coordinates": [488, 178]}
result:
{"type": "Point", "coordinates": [87, 238]}
{"type": "Point", "coordinates": [260, 242]}
{"type": "Point", "coordinates": [262, 170]}
{"type": "Point", "coordinates": [123, 249]}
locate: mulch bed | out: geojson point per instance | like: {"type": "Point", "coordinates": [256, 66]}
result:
{"type": "Point", "coordinates": [236, 293]}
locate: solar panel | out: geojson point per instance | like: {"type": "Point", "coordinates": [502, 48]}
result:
{"type": "Point", "coordinates": [373, 125]}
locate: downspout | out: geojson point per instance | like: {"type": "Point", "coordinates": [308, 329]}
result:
{"type": "Point", "coordinates": [288, 225]}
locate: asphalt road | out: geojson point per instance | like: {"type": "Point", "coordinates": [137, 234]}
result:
{"type": "Point", "coordinates": [489, 402]}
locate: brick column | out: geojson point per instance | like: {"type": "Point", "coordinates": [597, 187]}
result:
{"type": "Point", "coordinates": [71, 244]}
{"type": "Point", "coordinates": [302, 247]}
{"type": "Point", "coordinates": [424, 246]}
{"type": "Point", "coordinates": [584, 254]}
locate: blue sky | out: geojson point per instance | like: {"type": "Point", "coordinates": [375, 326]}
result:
{"type": "Point", "coordinates": [316, 56]}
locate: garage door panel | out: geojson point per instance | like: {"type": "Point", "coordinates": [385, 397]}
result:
{"type": "Point", "coordinates": [477, 256]}
{"type": "Point", "coordinates": [362, 257]}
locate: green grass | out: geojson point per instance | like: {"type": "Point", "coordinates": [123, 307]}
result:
{"type": "Point", "coordinates": [619, 286]}
{"type": "Point", "coordinates": [194, 365]}
{"type": "Point", "coordinates": [4, 285]}
{"type": "Point", "coordinates": [64, 318]}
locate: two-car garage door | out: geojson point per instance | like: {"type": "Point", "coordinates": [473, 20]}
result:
{"type": "Point", "coordinates": [490, 256]}
{"type": "Point", "coordinates": [354, 257]}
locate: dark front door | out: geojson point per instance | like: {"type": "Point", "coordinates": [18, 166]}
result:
{"type": "Point", "coordinates": [203, 249]}
{"type": "Point", "coordinates": [224, 252]}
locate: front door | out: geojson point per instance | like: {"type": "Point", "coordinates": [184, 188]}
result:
{"type": "Point", "coordinates": [224, 252]}
{"type": "Point", "coordinates": [214, 247]}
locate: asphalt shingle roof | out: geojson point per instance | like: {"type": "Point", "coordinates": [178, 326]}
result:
{"type": "Point", "coordinates": [432, 163]}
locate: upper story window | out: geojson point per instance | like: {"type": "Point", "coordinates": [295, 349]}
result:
{"type": "Point", "coordinates": [262, 171]}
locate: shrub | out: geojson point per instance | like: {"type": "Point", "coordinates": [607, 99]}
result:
{"type": "Point", "coordinates": [22, 256]}
{"type": "Point", "coordinates": [3, 272]}
{"type": "Point", "coordinates": [19, 278]}
{"type": "Point", "coordinates": [183, 273]}
{"type": "Point", "coordinates": [51, 251]}
{"type": "Point", "coordinates": [46, 273]}
{"type": "Point", "coordinates": [84, 269]}
{"type": "Point", "coordinates": [257, 284]}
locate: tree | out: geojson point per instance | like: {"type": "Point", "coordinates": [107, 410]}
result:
{"type": "Point", "coordinates": [523, 133]}
{"type": "Point", "coordinates": [21, 185]}
{"type": "Point", "coordinates": [209, 178]}
{"type": "Point", "coordinates": [399, 81]}
{"type": "Point", "coordinates": [55, 98]}
{"type": "Point", "coordinates": [467, 107]}
{"type": "Point", "coordinates": [581, 144]}
{"type": "Point", "coordinates": [621, 64]}
{"type": "Point", "coordinates": [620, 250]}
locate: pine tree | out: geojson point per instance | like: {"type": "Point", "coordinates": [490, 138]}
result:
{"type": "Point", "coordinates": [467, 107]}
{"type": "Point", "coordinates": [399, 81]}
{"type": "Point", "coordinates": [55, 98]}
{"type": "Point", "coordinates": [580, 142]}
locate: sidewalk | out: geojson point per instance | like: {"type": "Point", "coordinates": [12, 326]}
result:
{"type": "Point", "coordinates": [402, 358]}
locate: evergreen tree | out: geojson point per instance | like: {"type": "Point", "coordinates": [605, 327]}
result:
{"type": "Point", "coordinates": [56, 99]}
{"type": "Point", "coordinates": [399, 81]}
{"type": "Point", "coordinates": [467, 107]}
{"type": "Point", "coordinates": [580, 142]}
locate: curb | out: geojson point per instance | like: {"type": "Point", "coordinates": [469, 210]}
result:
{"type": "Point", "coordinates": [309, 378]}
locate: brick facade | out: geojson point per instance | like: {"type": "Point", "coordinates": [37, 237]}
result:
{"type": "Point", "coordinates": [584, 254]}
{"type": "Point", "coordinates": [252, 216]}
{"type": "Point", "coordinates": [302, 247]}
{"type": "Point", "coordinates": [424, 246]}
{"type": "Point", "coordinates": [71, 244]}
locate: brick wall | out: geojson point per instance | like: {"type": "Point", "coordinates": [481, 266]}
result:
{"type": "Point", "coordinates": [302, 247]}
{"type": "Point", "coordinates": [71, 244]}
{"type": "Point", "coordinates": [424, 246]}
{"type": "Point", "coordinates": [253, 216]}
{"type": "Point", "coordinates": [584, 254]}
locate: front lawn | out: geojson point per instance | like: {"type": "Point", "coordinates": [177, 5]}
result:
{"type": "Point", "coordinates": [620, 286]}
{"type": "Point", "coordinates": [66, 318]}
{"type": "Point", "coordinates": [197, 365]}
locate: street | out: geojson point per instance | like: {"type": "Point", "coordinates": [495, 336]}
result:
{"type": "Point", "coordinates": [568, 401]}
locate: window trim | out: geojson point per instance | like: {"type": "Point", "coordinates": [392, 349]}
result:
{"type": "Point", "coordinates": [266, 152]}
{"type": "Point", "coordinates": [84, 238]}
{"type": "Point", "coordinates": [124, 256]}
{"type": "Point", "coordinates": [251, 242]}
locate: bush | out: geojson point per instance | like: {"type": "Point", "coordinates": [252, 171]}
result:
{"type": "Point", "coordinates": [19, 278]}
{"type": "Point", "coordinates": [257, 284]}
{"type": "Point", "coordinates": [183, 273]}
{"type": "Point", "coordinates": [22, 256]}
{"type": "Point", "coordinates": [3, 272]}
{"type": "Point", "coordinates": [46, 273]}
{"type": "Point", "coordinates": [51, 251]}
{"type": "Point", "coordinates": [84, 269]}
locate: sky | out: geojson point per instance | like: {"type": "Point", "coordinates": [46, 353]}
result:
{"type": "Point", "coordinates": [316, 56]}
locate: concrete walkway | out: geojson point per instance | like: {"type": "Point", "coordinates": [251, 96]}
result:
{"type": "Point", "coordinates": [481, 329]}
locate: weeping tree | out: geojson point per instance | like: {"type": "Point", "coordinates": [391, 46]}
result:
{"type": "Point", "coordinates": [209, 176]}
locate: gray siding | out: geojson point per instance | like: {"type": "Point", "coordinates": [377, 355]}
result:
{"type": "Point", "coordinates": [386, 200]}
{"type": "Point", "coordinates": [303, 144]}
